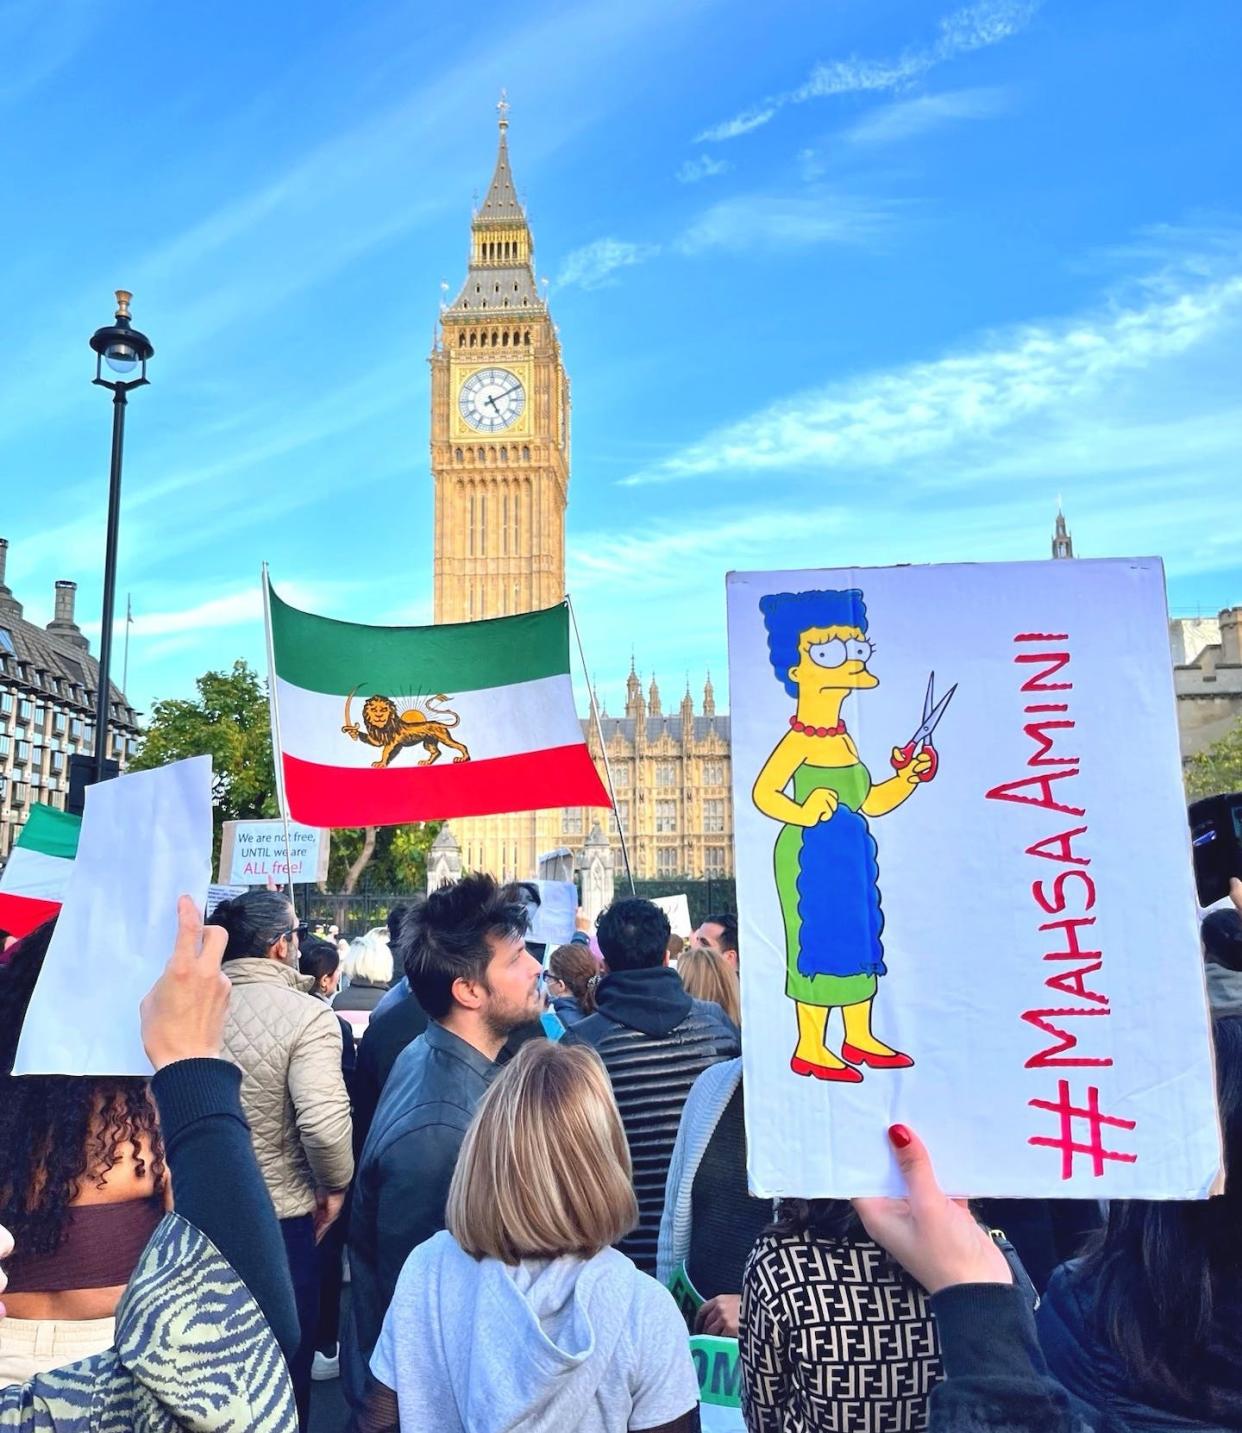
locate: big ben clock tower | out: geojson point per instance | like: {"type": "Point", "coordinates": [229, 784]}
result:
{"type": "Point", "coordinates": [499, 424]}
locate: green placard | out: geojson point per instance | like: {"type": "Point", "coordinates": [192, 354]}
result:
{"type": "Point", "coordinates": [689, 1300]}
{"type": "Point", "coordinates": [719, 1370]}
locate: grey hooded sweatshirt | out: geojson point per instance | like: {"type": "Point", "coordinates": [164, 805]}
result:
{"type": "Point", "coordinates": [548, 1344]}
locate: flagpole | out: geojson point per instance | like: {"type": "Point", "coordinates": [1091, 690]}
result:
{"type": "Point", "coordinates": [599, 731]}
{"type": "Point", "coordinates": [273, 706]}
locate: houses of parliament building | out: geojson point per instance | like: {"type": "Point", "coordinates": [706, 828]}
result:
{"type": "Point", "coordinates": [500, 459]}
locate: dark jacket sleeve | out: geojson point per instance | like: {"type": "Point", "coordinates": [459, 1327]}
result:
{"type": "Point", "coordinates": [217, 1185]}
{"type": "Point", "coordinates": [1076, 1358]}
{"type": "Point", "coordinates": [996, 1380]}
{"type": "Point", "coordinates": [365, 1088]}
{"type": "Point", "coordinates": [411, 1193]}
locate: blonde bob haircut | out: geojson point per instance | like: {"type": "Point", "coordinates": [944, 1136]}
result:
{"type": "Point", "coordinates": [545, 1168]}
{"type": "Point", "coordinates": [707, 977]}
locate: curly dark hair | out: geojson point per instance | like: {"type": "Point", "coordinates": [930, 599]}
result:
{"type": "Point", "coordinates": [60, 1132]}
{"type": "Point", "coordinates": [632, 934]}
{"type": "Point", "coordinates": [444, 938]}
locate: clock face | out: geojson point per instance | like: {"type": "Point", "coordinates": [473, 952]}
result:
{"type": "Point", "coordinates": [492, 399]}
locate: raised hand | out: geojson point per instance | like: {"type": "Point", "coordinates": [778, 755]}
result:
{"type": "Point", "coordinates": [183, 1012]}
{"type": "Point", "coordinates": [934, 1238]}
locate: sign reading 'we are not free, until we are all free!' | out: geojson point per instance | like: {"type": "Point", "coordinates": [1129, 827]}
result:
{"type": "Point", "coordinates": [254, 852]}
{"type": "Point", "coordinates": [964, 883]}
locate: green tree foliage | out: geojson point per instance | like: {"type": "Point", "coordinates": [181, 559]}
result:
{"type": "Point", "coordinates": [398, 861]}
{"type": "Point", "coordinates": [229, 722]}
{"type": "Point", "coordinates": [1218, 768]}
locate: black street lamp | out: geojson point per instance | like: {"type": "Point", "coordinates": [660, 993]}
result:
{"type": "Point", "coordinates": [123, 349]}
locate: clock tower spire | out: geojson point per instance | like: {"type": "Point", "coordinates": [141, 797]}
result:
{"type": "Point", "coordinates": [499, 423]}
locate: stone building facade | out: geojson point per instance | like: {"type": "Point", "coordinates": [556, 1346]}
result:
{"type": "Point", "coordinates": [1207, 676]}
{"type": "Point", "coordinates": [47, 707]}
{"type": "Point", "coordinates": [500, 462]}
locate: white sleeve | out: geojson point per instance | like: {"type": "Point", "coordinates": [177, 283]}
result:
{"type": "Point", "coordinates": [666, 1386]}
{"type": "Point", "coordinates": [384, 1358]}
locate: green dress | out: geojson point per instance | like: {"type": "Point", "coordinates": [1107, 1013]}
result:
{"type": "Point", "coordinates": [827, 883]}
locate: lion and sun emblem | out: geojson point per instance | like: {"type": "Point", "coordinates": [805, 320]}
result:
{"type": "Point", "coordinates": [392, 725]}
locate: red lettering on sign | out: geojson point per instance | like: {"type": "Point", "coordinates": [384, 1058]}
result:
{"type": "Point", "coordinates": [1058, 902]}
{"type": "Point", "coordinates": [1008, 791]}
{"type": "Point", "coordinates": [1069, 1114]}
{"type": "Point", "coordinates": [1055, 1054]}
{"type": "Point", "coordinates": [1064, 848]}
{"type": "Point", "coordinates": [1038, 732]}
{"type": "Point", "coordinates": [1070, 982]}
{"type": "Point", "coordinates": [1072, 951]}
{"type": "Point", "coordinates": [1035, 682]}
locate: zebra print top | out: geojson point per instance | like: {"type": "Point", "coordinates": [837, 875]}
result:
{"type": "Point", "coordinates": [193, 1352]}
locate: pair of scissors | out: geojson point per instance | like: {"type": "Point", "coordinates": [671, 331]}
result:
{"type": "Point", "coordinates": [933, 710]}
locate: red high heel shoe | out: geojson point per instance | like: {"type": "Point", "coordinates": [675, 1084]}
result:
{"type": "Point", "coordinates": [848, 1075]}
{"type": "Point", "coordinates": [895, 1061]}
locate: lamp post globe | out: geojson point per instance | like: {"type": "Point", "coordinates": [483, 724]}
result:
{"type": "Point", "coordinates": [123, 348]}
{"type": "Point", "coordinates": [119, 344]}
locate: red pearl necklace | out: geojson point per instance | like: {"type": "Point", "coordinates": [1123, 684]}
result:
{"type": "Point", "coordinates": [838, 730]}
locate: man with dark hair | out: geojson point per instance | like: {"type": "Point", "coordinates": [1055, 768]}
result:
{"type": "Point", "coordinates": [654, 1041]}
{"type": "Point", "coordinates": [465, 957]}
{"type": "Point", "coordinates": [719, 933]}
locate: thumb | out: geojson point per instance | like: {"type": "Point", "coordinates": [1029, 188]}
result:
{"type": "Point", "coordinates": [915, 1165]}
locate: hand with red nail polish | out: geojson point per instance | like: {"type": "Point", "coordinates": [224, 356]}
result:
{"type": "Point", "coordinates": [934, 1238]}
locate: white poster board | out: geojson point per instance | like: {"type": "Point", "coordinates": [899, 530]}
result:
{"type": "Point", "coordinates": [552, 922]}
{"type": "Point", "coordinates": [146, 839]}
{"type": "Point", "coordinates": [1021, 926]}
{"type": "Point", "coordinates": [677, 909]}
{"type": "Point", "coordinates": [254, 852]}
{"type": "Point", "coordinates": [217, 895]}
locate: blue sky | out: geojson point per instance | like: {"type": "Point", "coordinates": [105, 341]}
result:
{"type": "Point", "coordinates": [845, 281]}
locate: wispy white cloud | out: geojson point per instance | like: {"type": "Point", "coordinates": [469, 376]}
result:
{"type": "Point", "coordinates": [974, 27]}
{"type": "Point", "coordinates": [594, 265]}
{"type": "Point", "coordinates": [774, 221]}
{"type": "Point", "coordinates": [703, 166]}
{"type": "Point", "coordinates": [907, 118]}
{"type": "Point", "coordinates": [941, 405]}
{"type": "Point", "coordinates": [38, 40]}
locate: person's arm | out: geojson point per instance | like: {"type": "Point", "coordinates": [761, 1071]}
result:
{"type": "Point", "coordinates": [379, 1413]}
{"type": "Point", "coordinates": [365, 1090]}
{"type": "Point", "coordinates": [995, 1375]}
{"type": "Point", "coordinates": [411, 1191]}
{"type": "Point", "coordinates": [320, 1101]}
{"type": "Point", "coordinates": [207, 1144]}
{"type": "Point", "coordinates": [218, 1185]}
{"type": "Point", "coordinates": [761, 1351]}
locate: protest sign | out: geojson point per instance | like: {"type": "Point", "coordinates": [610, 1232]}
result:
{"type": "Point", "coordinates": [718, 1367]}
{"type": "Point", "coordinates": [252, 852]}
{"type": "Point", "coordinates": [216, 895]}
{"type": "Point", "coordinates": [552, 921]}
{"type": "Point", "coordinates": [145, 840]}
{"type": "Point", "coordinates": [981, 924]}
{"type": "Point", "coordinates": [677, 909]}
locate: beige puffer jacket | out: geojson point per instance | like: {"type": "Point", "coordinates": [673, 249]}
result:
{"type": "Point", "coordinates": [288, 1045]}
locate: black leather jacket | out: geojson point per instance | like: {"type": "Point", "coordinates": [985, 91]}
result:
{"type": "Point", "coordinates": [403, 1177]}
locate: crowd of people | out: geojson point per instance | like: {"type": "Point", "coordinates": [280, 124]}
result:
{"type": "Point", "coordinates": [533, 1167]}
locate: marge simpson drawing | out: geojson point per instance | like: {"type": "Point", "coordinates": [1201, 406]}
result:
{"type": "Point", "coordinates": [816, 785]}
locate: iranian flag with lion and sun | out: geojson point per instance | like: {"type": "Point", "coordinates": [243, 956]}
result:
{"type": "Point", "coordinates": [381, 725]}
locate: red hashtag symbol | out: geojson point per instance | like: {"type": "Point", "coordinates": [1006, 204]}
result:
{"type": "Point", "coordinates": [1065, 1141]}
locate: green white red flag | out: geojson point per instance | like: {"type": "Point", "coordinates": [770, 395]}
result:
{"type": "Point", "coordinates": [33, 883]}
{"type": "Point", "coordinates": [377, 726]}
